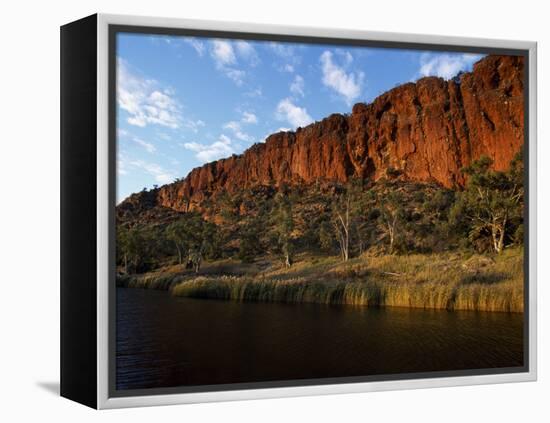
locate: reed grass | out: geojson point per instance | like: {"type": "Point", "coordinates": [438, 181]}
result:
{"type": "Point", "coordinates": [452, 281]}
{"type": "Point", "coordinates": [158, 280]}
{"type": "Point", "coordinates": [443, 281]}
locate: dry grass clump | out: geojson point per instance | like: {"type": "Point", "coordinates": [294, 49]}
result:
{"type": "Point", "coordinates": [155, 280]}
{"type": "Point", "coordinates": [449, 281]}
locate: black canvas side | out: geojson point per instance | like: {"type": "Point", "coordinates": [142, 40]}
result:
{"type": "Point", "coordinates": [78, 211]}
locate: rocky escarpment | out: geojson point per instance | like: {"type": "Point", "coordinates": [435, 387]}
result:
{"type": "Point", "coordinates": [426, 131]}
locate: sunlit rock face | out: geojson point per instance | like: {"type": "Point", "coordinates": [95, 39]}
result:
{"type": "Point", "coordinates": [425, 131]}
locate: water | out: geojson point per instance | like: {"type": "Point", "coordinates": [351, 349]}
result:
{"type": "Point", "coordinates": [165, 341]}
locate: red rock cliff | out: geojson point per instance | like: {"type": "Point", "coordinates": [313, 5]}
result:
{"type": "Point", "coordinates": [428, 130]}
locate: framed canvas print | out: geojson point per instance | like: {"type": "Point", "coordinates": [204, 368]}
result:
{"type": "Point", "coordinates": [254, 211]}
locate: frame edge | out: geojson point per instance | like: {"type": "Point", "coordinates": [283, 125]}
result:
{"type": "Point", "coordinates": [106, 402]}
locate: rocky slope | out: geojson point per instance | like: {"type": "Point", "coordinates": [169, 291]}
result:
{"type": "Point", "coordinates": [427, 131]}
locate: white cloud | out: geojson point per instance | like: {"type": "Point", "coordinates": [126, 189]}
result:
{"type": "Point", "coordinates": [150, 148]}
{"type": "Point", "coordinates": [233, 125]}
{"type": "Point", "coordinates": [348, 85]}
{"type": "Point", "coordinates": [197, 45]}
{"type": "Point", "coordinates": [295, 115]}
{"type": "Point", "coordinates": [161, 175]}
{"type": "Point", "coordinates": [282, 50]}
{"type": "Point", "coordinates": [287, 56]}
{"type": "Point", "coordinates": [226, 54]}
{"type": "Point", "coordinates": [223, 53]}
{"type": "Point", "coordinates": [121, 166]}
{"type": "Point", "coordinates": [445, 65]}
{"type": "Point", "coordinates": [297, 86]}
{"type": "Point", "coordinates": [281, 129]}
{"type": "Point", "coordinates": [244, 48]}
{"type": "Point", "coordinates": [246, 51]}
{"type": "Point", "coordinates": [236, 127]}
{"type": "Point", "coordinates": [288, 68]}
{"type": "Point", "coordinates": [249, 117]}
{"type": "Point", "coordinates": [164, 136]}
{"type": "Point", "coordinates": [346, 56]}
{"type": "Point", "coordinates": [194, 125]}
{"type": "Point", "coordinates": [210, 152]}
{"type": "Point", "coordinates": [144, 101]}
{"type": "Point", "coordinates": [243, 136]}
{"type": "Point", "coordinates": [124, 134]}
{"type": "Point", "coordinates": [236, 75]}
{"type": "Point", "coordinates": [160, 38]}
{"type": "Point", "coordinates": [257, 92]}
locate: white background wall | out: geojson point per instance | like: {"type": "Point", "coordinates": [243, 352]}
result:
{"type": "Point", "coordinates": [29, 208]}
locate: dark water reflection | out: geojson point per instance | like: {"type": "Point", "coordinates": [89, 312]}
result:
{"type": "Point", "coordinates": [164, 341]}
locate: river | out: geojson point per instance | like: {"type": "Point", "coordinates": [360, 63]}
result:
{"type": "Point", "coordinates": [165, 341]}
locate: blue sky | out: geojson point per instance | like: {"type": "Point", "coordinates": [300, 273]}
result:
{"type": "Point", "coordinates": [186, 101]}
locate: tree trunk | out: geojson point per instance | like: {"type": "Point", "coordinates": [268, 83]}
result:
{"type": "Point", "coordinates": [494, 238]}
{"type": "Point", "coordinates": [287, 261]}
{"type": "Point", "coordinates": [346, 247]}
{"type": "Point", "coordinates": [342, 234]}
{"type": "Point", "coordinates": [197, 263]}
{"type": "Point", "coordinates": [180, 259]}
{"type": "Point", "coordinates": [125, 263]}
{"type": "Point", "coordinates": [346, 250]}
{"type": "Point", "coordinates": [391, 234]}
{"type": "Point", "coordinates": [500, 243]}
{"type": "Point", "coordinates": [347, 229]}
{"type": "Point", "coordinates": [497, 236]}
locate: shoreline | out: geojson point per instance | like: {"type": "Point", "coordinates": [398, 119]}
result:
{"type": "Point", "coordinates": [446, 281]}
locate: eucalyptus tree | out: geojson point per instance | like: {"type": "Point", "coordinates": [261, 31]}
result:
{"type": "Point", "coordinates": [192, 237]}
{"type": "Point", "coordinates": [492, 201]}
{"type": "Point", "coordinates": [284, 226]}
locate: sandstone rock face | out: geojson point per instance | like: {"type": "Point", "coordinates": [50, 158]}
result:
{"type": "Point", "coordinates": [426, 130]}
